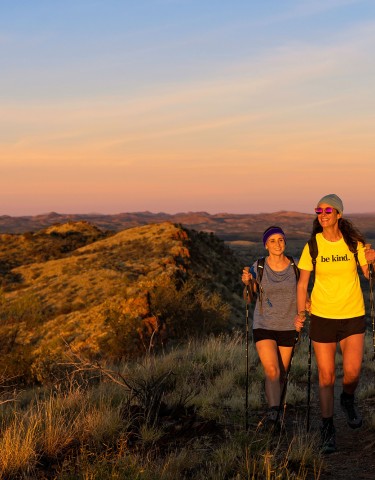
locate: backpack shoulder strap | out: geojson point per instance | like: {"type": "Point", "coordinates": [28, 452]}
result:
{"type": "Point", "coordinates": [260, 269]}
{"type": "Point", "coordinates": [356, 257]}
{"type": "Point", "coordinates": [295, 268]}
{"type": "Point", "coordinates": [354, 250]}
{"type": "Point", "coordinates": [313, 249]}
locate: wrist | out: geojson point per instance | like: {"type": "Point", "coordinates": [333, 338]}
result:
{"type": "Point", "coordinates": [302, 314]}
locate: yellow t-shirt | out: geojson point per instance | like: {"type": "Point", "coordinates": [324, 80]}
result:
{"type": "Point", "coordinates": [337, 292]}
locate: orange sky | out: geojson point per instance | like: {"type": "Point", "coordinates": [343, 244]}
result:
{"type": "Point", "coordinates": [272, 122]}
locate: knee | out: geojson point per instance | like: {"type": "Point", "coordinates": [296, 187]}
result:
{"type": "Point", "coordinates": [272, 372]}
{"type": "Point", "coordinates": [351, 375]}
{"type": "Point", "coordinates": [326, 378]}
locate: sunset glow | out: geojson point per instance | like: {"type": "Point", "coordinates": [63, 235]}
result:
{"type": "Point", "coordinates": [186, 105]}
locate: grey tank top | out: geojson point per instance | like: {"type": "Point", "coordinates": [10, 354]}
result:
{"type": "Point", "coordinates": [279, 303]}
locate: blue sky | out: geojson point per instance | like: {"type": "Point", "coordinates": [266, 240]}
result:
{"type": "Point", "coordinates": [171, 105]}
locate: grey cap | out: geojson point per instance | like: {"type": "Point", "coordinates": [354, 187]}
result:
{"type": "Point", "coordinates": [334, 201]}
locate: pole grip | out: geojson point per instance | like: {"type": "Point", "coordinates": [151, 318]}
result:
{"type": "Point", "coordinates": [248, 289]}
{"type": "Point", "coordinates": [370, 265]}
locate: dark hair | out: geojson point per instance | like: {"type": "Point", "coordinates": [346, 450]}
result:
{"type": "Point", "coordinates": [350, 233]}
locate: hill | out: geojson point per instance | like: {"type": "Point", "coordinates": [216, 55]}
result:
{"type": "Point", "coordinates": [112, 298]}
{"type": "Point", "coordinates": [56, 241]}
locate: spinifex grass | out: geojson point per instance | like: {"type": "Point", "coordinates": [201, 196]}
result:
{"type": "Point", "coordinates": [196, 430]}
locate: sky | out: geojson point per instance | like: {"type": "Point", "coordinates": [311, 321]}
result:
{"type": "Point", "coordinates": [223, 106]}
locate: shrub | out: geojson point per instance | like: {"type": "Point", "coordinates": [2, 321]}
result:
{"type": "Point", "coordinates": [189, 310]}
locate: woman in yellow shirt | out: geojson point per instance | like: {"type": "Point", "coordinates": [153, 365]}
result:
{"type": "Point", "coordinates": [337, 313]}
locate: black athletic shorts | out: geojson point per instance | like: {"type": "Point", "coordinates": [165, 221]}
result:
{"type": "Point", "coordinates": [283, 338]}
{"type": "Point", "coordinates": [328, 330]}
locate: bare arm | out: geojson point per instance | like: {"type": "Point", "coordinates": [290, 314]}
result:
{"type": "Point", "coordinates": [365, 270]}
{"type": "Point", "coordinates": [370, 257]}
{"type": "Point", "coordinates": [302, 299]}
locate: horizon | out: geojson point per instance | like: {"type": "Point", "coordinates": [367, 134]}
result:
{"type": "Point", "coordinates": [186, 212]}
{"type": "Point", "coordinates": [179, 105]}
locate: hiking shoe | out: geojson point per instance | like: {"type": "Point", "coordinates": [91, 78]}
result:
{"type": "Point", "coordinates": [328, 439]}
{"type": "Point", "coordinates": [353, 417]}
{"type": "Point", "coordinates": [272, 419]}
{"type": "Point", "coordinates": [272, 416]}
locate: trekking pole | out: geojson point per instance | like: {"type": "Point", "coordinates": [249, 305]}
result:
{"type": "Point", "coordinates": [285, 386]}
{"type": "Point", "coordinates": [308, 387]}
{"type": "Point", "coordinates": [247, 356]}
{"type": "Point", "coordinates": [372, 312]}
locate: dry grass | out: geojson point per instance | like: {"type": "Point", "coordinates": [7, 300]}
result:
{"type": "Point", "coordinates": [102, 431]}
{"type": "Point", "coordinates": [18, 446]}
{"type": "Point", "coordinates": [105, 298]}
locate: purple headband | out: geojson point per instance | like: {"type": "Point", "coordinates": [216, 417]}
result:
{"type": "Point", "coordinates": [272, 231]}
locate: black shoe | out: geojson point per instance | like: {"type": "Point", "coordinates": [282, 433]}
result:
{"type": "Point", "coordinates": [272, 416]}
{"type": "Point", "coordinates": [271, 420]}
{"type": "Point", "coordinates": [353, 417]}
{"type": "Point", "coordinates": [328, 439]}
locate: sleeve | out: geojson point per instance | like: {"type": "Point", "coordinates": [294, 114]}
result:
{"type": "Point", "coordinates": [305, 262]}
{"type": "Point", "coordinates": [361, 254]}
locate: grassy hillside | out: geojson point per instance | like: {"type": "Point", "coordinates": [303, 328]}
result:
{"type": "Point", "coordinates": [56, 241]}
{"type": "Point", "coordinates": [113, 331]}
{"type": "Point", "coordinates": [113, 298]}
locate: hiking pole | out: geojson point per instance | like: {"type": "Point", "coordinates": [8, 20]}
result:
{"type": "Point", "coordinates": [247, 300]}
{"type": "Point", "coordinates": [308, 387]}
{"type": "Point", "coordinates": [285, 386]}
{"type": "Point", "coordinates": [372, 312]}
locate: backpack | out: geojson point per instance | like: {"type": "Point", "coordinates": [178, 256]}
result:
{"type": "Point", "coordinates": [249, 294]}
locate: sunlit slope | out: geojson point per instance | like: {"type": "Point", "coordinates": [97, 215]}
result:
{"type": "Point", "coordinates": [109, 298]}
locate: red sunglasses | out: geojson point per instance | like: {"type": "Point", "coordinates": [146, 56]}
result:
{"type": "Point", "coordinates": [327, 210]}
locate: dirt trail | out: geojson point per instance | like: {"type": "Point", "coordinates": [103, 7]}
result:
{"type": "Point", "coordinates": [355, 455]}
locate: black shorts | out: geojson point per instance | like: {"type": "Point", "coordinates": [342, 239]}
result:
{"type": "Point", "coordinates": [328, 330]}
{"type": "Point", "coordinates": [283, 338]}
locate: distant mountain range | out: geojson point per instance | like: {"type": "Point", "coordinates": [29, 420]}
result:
{"type": "Point", "coordinates": [226, 226]}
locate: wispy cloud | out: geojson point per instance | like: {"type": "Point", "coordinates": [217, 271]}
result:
{"type": "Point", "coordinates": [227, 101]}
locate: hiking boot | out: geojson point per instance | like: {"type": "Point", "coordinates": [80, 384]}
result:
{"type": "Point", "coordinates": [272, 419]}
{"type": "Point", "coordinates": [353, 417]}
{"type": "Point", "coordinates": [272, 416]}
{"type": "Point", "coordinates": [328, 439]}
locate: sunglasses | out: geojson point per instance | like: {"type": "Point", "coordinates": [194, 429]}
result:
{"type": "Point", "coordinates": [327, 210]}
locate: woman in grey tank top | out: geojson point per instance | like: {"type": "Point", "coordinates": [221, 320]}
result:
{"type": "Point", "coordinates": [273, 322]}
